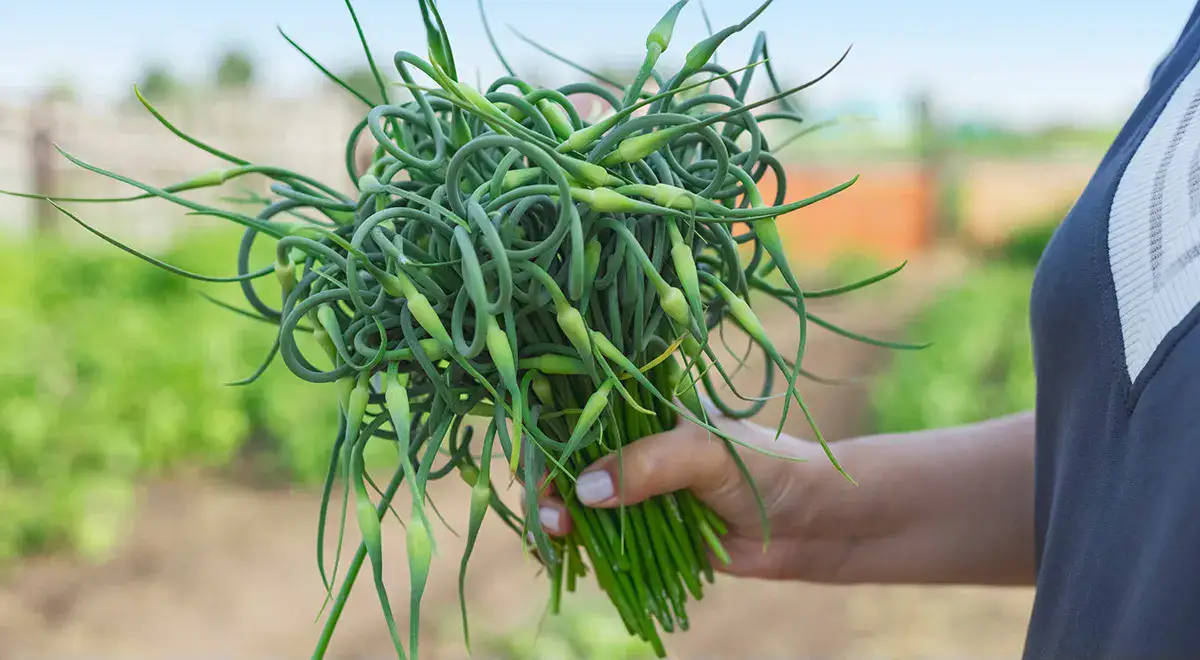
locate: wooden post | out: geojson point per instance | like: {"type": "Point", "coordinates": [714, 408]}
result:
{"type": "Point", "coordinates": [41, 155]}
{"type": "Point", "coordinates": [937, 171]}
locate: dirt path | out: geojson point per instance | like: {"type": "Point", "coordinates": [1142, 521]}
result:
{"type": "Point", "coordinates": [217, 570]}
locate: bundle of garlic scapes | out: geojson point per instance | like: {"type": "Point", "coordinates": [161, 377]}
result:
{"type": "Point", "coordinates": [507, 265]}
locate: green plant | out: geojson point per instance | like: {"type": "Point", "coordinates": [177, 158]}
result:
{"type": "Point", "coordinates": [1024, 247]}
{"type": "Point", "coordinates": [979, 364]}
{"type": "Point", "coordinates": [851, 266]}
{"type": "Point", "coordinates": [507, 265]}
{"type": "Point", "coordinates": [115, 372]}
{"type": "Point", "coordinates": [158, 83]}
{"type": "Point", "coordinates": [235, 70]}
{"type": "Point", "coordinates": [582, 632]}
{"type": "Point", "coordinates": [97, 393]}
{"type": "Point", "coordinates": [361, 81]}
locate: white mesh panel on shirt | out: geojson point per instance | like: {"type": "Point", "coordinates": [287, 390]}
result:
{"type": "Point", "coordinates": [1154, 228]}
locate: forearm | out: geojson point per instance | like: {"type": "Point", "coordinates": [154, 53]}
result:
{"type": "Point", "coordinates": [948, 506]}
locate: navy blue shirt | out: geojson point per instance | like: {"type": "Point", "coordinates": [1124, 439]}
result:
{"type": "Point", "coordinates": [1117, 354]}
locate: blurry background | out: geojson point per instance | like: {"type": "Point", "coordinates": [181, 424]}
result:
{"type": "Point", "coordinates": [147, 509]}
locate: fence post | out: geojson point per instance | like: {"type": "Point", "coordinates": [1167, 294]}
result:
{"type": "Point", "coordinates": [936, 162]}
{"type": "Point", "coordinates": [41, 160]}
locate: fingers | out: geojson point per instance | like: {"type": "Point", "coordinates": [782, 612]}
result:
{"type": "Point", "coordinates": [683, 458]}
{"type": "Point", "coordinates": [552, 514]}
{"type": "Point", "coordinates": [658, 464]}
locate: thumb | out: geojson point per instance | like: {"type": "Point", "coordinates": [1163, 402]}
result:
{"type": "Point", "coordinates": [682, 458]}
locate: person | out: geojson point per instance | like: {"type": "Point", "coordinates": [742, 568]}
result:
{"type": "Point", "coordinates": [1093, 497]}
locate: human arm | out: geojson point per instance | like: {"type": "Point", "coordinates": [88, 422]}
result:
{"type": "Point", "coordinates": [946, 506]}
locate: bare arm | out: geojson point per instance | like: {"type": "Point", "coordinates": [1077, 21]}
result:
{"type": "Point", "coordinates": [950, 506]}
{"type": "Point", "coordinates": [944, 506]}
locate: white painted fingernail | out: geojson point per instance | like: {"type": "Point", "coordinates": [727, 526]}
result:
{"type": "Point", "coordinates": [594, 487]}
{"type": "Point", "coordinates": [550, 518]}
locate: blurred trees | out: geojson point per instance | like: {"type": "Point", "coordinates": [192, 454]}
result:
{"type": "Point", "coordinates": [235, 70]}
{"type": "Point", "coordinates": [362, 80]}
{"type": "Point", "coordinates": [158, 83]}
{"type": "Point", "coordinates": [59, 90]}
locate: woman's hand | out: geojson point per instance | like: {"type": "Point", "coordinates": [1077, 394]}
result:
{"type": "Point", "coordinates": [947, 506]}
{"type": "Point", "coordinates": [804, 544]}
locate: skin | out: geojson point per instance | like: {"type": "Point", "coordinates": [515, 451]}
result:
{"type": "Point", "coordinates": [947, 506]}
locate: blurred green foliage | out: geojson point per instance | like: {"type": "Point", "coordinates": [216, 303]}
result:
{"type": "Point", "coordinates": [851, 266]}
{"type": "Point", "coordinates": [585, 631]}
{"type": "Point", "coordinates": [115, 371]}
{"type": "Point", "coordinates": [361, 79]}
{"type": "Point", "coordinates": [235, 70]}
{"type": "Point", "coordinates": [158, 84]}
{"type": "Point", "coordinates": [1025, 246]}
{"type": "Point", "coordinates": [980, 364]}
{"type": "Point", "coordinates": [993, 139]}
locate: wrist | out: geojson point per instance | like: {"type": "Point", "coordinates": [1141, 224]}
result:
{"type": "Point", "coordinates": [822, 523]}
{"type": "Point", "coordinates": [932, 507]}
{"type": "Point", "coordinates": [853, 517]}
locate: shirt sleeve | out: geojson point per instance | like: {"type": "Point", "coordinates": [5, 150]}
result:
{"type": "Point", "coordinates": [1192, 23]}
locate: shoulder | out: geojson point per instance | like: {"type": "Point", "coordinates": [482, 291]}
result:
{"type": "Point", "coordinates": [1119, 281]}
{"type": "Point", "coordinates": [1154, 217]}
{"type": "Point", "coordinates": [1193, 23]}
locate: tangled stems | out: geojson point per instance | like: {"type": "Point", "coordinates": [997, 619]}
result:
{"type": "Point", "coordinates": [507, 263]}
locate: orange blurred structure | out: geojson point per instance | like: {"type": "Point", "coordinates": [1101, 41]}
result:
{"type": "Point", "coordinates": [887, 213]}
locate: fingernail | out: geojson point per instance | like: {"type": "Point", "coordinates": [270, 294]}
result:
{"type": "Point", "coordinates": [550, 518]}
{"type": "Point", "coordinates": [594, 487]}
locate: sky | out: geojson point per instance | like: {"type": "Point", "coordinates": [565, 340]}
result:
{"type": "Point", "coordinates": [1018, 61]}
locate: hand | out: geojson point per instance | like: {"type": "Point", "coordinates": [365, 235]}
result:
{"type": "Point", "coordinates": [806, 543]}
